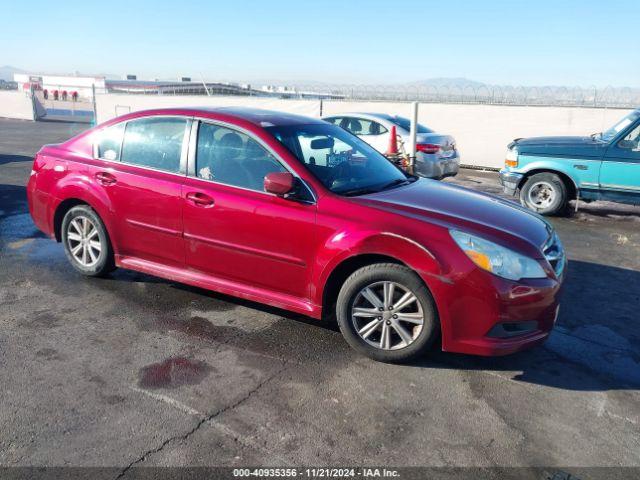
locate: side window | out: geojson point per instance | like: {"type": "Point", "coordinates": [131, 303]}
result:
{"type": "Point", "coordinates": [154, 142]}
{"type": "Point", "coordinates": [353, 125]}
{"type": "Point", "coordinates": [361, 126]}
{"type": "Point", "coordinates": [233, 158]}
{"type": "Point", "coordinates": [109, 142]}
{"type": "Point", "coordinates": [631, 140]}
{"type": "Point", "coordinates": [334, 120]}
{"type": "Point", "coordinates": [375, 128]}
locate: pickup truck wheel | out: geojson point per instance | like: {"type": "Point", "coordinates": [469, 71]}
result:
{"type": "Point", "coordinates": [544, 193]}
{"type": "Point", "coordinates": [387, 313]}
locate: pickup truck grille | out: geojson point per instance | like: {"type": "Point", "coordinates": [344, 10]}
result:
{"type": "Point", "coordinates": [554, 253]}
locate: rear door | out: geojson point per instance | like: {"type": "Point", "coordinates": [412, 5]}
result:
{"type": "Point", "coordinates": [143, 172]}
{"type": "Point", "coordinates": [620, 171]}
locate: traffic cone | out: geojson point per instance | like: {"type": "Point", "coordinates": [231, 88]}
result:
{"type": "Point", "coordinates": [392, 149]}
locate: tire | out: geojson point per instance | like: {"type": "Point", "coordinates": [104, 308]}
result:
{"type": "Point", "coordinates": [86, 242]}
{"type": "Point", "coordinates": [545, 193]}
{"type": "Point", "coordinates": [352, 296]}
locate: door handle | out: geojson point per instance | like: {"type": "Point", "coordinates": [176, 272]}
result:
{"type": "Point", "coordinates": [200, 199]}
{"type": "Point", "coordinates": [105, 178]}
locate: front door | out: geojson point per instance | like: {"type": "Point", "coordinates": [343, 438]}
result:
{"type": "Point", "coordinates": [620, 171]}
{"type": "Point", "coordinates": [236, 231]}
{"type": "Point", "coordinates": [142, 177]}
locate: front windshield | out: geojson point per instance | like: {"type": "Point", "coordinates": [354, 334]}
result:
{"type": "Point", "coordinates": [620, 126]}
{"type": "Point", "coordinates": [405, 123]}
{"type": "Point", "coordinates": [341, 161]}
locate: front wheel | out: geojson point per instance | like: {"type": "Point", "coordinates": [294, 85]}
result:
{"type": "Point", "coordinates": [387, 313]}
{"type": "Point", "coordinates": [544, 193]}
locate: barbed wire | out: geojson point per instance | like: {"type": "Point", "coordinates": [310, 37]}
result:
{"type": "Point", "coordinates": [619, 97]}
{"type": "Point", "coordinates": [607, 97]}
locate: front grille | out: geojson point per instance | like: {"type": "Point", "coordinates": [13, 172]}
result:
{"type": "Point", "coordinates": [554, 253]}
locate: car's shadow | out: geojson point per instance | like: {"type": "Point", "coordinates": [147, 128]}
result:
{"type": "Point", "coordinates": [13, 200]}
{"type": "Point", "coordinates": [595, 346]}
{"type": "Point", "coordinates": [604, 210]}
{"type": "Point", "coordinates": [4, 158]}
{"type": "Point", "coordinates": [596, 342]}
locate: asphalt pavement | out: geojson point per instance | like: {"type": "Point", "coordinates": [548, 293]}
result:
{"type": "Point", "coordinates": [133, 370]}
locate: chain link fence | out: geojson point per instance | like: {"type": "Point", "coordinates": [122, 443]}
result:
{"type": "Point", "coordinates": [599, 97]}
{"type": "Point", "coordinates": [607, 97]}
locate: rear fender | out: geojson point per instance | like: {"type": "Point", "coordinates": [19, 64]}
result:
{"type": "Point", "coordinates": [78, 186]}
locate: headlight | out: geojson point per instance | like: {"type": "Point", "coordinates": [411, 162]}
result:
{"type": "Point", "coordinates": [512, 158]}
{"type": "Point", "coordinates": [496, 259]}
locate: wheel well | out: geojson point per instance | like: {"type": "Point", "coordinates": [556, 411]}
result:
{"type": "Point", "coordinates": [61, 211]}
{"type": "Point", "coordinates": [342, 272]}
{"type": "Point", "coordinates": [571, 187]}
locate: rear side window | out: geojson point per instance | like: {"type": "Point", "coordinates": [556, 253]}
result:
{"type": "Point", "coordinates": [154, 143]}
{"type": "Point", "coordinates": [109, 142]}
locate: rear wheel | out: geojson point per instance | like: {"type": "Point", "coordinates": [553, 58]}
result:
{"type": "Point", "coordinates": [387, 313]}
{"type": "Point", "coordinates": [545, 193]}
{"type": "Point", "coordinates": [86, 242]}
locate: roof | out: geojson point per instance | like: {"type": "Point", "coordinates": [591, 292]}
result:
{"type": "Point", "coordinates": [261, 117]}
{"type": "Point", "coordinates": [370, 115]}
{"type": "Point", "coordinates": [257, 116]}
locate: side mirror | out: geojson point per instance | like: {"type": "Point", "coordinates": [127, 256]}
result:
{"type": "Point", "coordinates": [627, 144]}
{"type": "Point", "coordinates": [278, 183]}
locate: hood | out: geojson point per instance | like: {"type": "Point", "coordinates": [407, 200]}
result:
{"type": "Point", "coordinates": [458, 207]}
{"type": "Point", "coordinates": [560, 146]}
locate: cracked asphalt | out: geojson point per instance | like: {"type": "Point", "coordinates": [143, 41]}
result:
{"type": "Point", "coordinates": [134, 371]}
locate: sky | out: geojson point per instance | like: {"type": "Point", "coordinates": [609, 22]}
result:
{"type": "Point", "coordinates": [535, 42]}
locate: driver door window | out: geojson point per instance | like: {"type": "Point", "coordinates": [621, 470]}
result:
{"type": "Point", "coordinates": [631, 140]}
{"type": "Point", "coordinates": [227, 156]}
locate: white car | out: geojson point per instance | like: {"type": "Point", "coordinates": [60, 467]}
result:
{"type": "Point", "coordinates": [436, 154]}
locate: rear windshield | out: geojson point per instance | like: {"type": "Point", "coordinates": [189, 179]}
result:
{"type": "Point", "coordinates": [405, 123]}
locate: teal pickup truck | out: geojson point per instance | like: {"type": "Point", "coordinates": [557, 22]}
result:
{"type": "Point", "coordinates": [547, 172]}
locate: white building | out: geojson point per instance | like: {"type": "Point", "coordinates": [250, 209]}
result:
{"type": "Point", "coordinates": [83, 86]}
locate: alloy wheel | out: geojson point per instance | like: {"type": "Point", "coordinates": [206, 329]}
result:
{"type": "Point", "coordinates": [83, 240]}
{"type": "Point", "coordinates": [387, 315]}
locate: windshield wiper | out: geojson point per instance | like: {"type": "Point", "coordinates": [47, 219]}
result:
{"type": "Point", "coordinates": [364, 190]}
{"type": "Point", "coordinates": [395, 183]}
{"type": "Point", "coordinates": [358, 191]}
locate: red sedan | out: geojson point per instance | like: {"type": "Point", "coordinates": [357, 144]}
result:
{"type": "Point", "coordinates": [300, 214]}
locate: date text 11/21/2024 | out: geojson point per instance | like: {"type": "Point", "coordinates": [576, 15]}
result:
{"type": "Point", "coordinates": [317, 472]}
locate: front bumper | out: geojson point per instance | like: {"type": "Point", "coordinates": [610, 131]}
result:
{"type": "Point", "coordinates": [510, 181]}
{"type": "Point", "coordinates": [482, 314]}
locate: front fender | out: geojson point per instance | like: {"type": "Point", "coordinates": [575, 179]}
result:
{"type": "Point", "coordinates": [344, 246]}
{"type": "Point", "coordinates": [581, 172]}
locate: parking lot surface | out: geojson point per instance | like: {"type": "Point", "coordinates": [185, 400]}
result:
{"type": "Point", "coordinates": [135, 370]}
